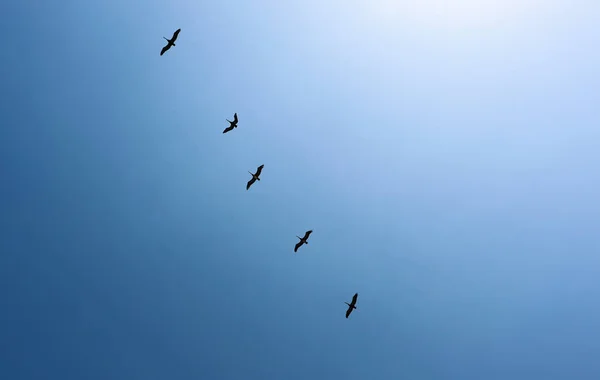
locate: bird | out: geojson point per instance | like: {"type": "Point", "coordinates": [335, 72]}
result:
{"type": "Point", "coordinates": [232, 124]}
{"type": "Point", "coordinates": [351, 305]}
{"type": "Point", "coordinates": [170, 42]}
{"type": "Point", "coordinates": [303, 240]}
{"type": "Point", "coordinates": [255, 176]}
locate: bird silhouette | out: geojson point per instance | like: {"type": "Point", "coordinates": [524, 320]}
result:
{"type": "Point", "coordinates": [303, 240]}
{"type": "Point", "coordinates": [170, 42]}
{"type": "Point", "coordinates": [255, 176]}
{"type": "Point", "coordinates": [351, 306]}
{"type": "Point", "coordinates": [232, 124]}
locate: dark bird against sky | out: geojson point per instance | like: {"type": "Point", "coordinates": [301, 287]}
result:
{"type": "Point", "coordinates": [255, 176]}
{"type": "Point", "coordinates": [303, 240]}
{"type": "Point", "coordinates": [232, 124]}
{"type": "Point", "coordinates": [170, 42]}
{"type": "Point", "coordinates": [351, 306]}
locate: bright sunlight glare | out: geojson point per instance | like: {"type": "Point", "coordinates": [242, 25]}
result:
{"type": "Point", "coordinates": [452, 14]}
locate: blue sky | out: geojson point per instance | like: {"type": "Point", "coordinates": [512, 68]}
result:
{"type": "Point", "coordinates": [445, 154]}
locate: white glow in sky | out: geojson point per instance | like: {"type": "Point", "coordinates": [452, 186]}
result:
{"type": "Point", "coordinates": [452, 14]}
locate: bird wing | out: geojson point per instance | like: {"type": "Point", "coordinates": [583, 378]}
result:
{"type": "Point", "coordinates": [307, 234]}
{"type": "Point", "coordinates": [348, 311]}
{"type": "Point", "coordinates": [259, 170]}
{"type": "Point", "coordinates": [235, 119]}
{"type": "Point", "coordinates": [167, 47]}
{"type": "Point", "coordinates": [250, 183]}
{"type": "Point", "coordinates": [227, 129]}
{"type": "Point", "coordinates": [175, 35]}
{"type": "Point", "coordinates": [354, 298]}
{"type": "Point", "coordinates": [298, 245]}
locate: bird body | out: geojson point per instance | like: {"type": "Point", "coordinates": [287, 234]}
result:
{"type": "Point", "coordinates": [170, 42]}
{"type": "Point", "coordinates": [303, 240]}
{"type": "Point", "coordinates": [255, 177]}
{"type": "Point", "coordinates": [351, 306]}
{"type": "Point", "coordinates": [232, 124]}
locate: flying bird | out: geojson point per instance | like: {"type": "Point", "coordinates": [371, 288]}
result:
{"type": "Point", "coordinates": [303, 240]}
{"type": "Point", "coordinates": [232, 124]}
{"type": "Point", "coordinates": [170, 42]}
{"type": "Point", "coordinates": [351, 305]}
{"type": "Point", "coordinates": [254, 176]}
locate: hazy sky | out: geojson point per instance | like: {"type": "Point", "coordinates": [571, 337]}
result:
{"type": "Point", "coordinates": [446, 155]}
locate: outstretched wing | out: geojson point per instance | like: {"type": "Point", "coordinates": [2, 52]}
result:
{"type": "Point", "coordinates": [235, 120]}
{"type": "Point", "coordinates": [259, 170]}
{"type": "Point", "coordinates": [307, 234]}
{"type": "Point", "coordinates": [354, 299]}
{"type": "Point", "coordinates": [227, 129]}
{"type": "Point", "coordinates": [175, 35]}
{"type": "Point", "coordinates": [250, 183]}
{"type": "Point", "coordinates": [298, 245]}
{"type": "Point", "coordinates": [348, 311]}
{"type": "Point", "coordinates": [167, 47]}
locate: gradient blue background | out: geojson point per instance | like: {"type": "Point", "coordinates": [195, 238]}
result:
{"type": "Point", "coordinates": [446, 155]}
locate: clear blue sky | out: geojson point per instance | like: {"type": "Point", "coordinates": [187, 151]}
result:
{"type": "Point", "coordinates": [445, 153]}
